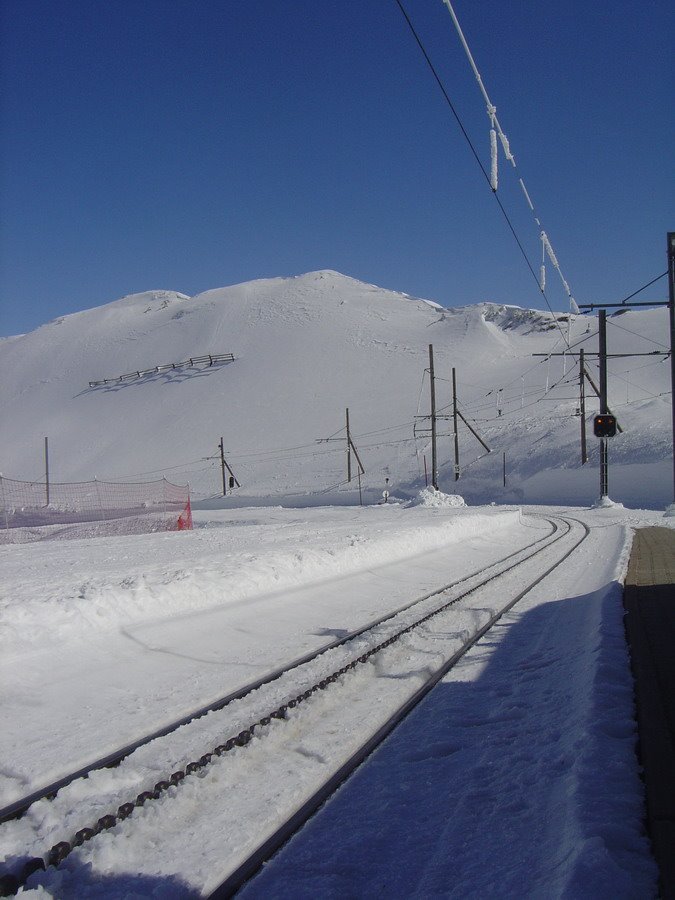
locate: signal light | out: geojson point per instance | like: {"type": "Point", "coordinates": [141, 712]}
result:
{"type": "Point", "coordinates": [604, 425]}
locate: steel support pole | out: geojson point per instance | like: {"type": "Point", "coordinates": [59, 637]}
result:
{"type": "Point", "coordinates": [582, 406]}
{"type": "Point", "coordinates": [454, 420]}
{"type": "Point", "coordinates": [434, 461]}
{"type": "Point", "coordinates": [671, 310]}
{"type": "Point", "coordinates": [602, 359]}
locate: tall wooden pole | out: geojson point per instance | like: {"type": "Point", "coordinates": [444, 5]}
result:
{"type": "Point", "coordinates": [349, 450]}
{"type": "Point", "coordinates": [434, 461]}
{"type": "Point", "coordinates": [222, 466]}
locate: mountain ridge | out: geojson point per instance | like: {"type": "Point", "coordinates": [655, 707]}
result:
{"type": "Point", "coordinates": [306, 348]}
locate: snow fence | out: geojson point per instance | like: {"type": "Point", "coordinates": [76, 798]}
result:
{"type": "Point", "coordinates": [36, 511]}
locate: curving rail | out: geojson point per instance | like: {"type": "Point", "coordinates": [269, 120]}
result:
{"type": "Point", "coordinates": [430, 606]}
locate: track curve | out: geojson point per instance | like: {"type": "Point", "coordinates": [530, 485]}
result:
{"type": "Point", "coordinates": [397, 631]}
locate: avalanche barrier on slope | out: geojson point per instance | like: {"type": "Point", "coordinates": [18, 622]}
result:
{"type": "Point", "coordinates": [35, 511]}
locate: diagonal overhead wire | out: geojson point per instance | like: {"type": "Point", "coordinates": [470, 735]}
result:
{"type": "Point", "coordinates": [478, 161]}
{"type": "Point", "coordinates": [496, 130]}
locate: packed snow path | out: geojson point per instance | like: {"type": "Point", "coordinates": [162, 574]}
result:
{"type": "Point", "coordinates": [284, 751]}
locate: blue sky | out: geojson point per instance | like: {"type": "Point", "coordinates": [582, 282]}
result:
{"type": "Point", "coordinates": [168, 144]}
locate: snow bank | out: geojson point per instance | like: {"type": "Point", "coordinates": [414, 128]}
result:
{"type": "Point", "coordinates": [606, 503]}
{"type": "Point", "coordinates": [430, 498]}
{"type": "Point", "coordinates": [54, 592]}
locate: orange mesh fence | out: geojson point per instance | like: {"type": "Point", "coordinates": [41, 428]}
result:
{"type": "Point", "coordinates": [32, 510]}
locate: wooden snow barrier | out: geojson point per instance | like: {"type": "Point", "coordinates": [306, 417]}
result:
{"type": "Point", "coordinates": [210, 359]}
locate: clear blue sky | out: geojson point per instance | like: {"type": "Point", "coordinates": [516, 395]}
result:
{"type": "Point", "coordinates": [168, 144]}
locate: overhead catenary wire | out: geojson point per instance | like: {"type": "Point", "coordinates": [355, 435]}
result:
{"type": "Point", "coordinates": [496, 130]}
{"type": "Point", "coordinates": [477, 158]}
{"type": "Point", "coordinates": [644, 287]}
{"type": "Point", "coordinates": [643, 337]}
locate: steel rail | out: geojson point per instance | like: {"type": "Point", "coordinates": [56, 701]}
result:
{"type": "Point", "coordinates": [275, 842]}
{"type": "Point", "coordinates": [11, 883]}
{"type": "Point", "coordinates": [19, 807]}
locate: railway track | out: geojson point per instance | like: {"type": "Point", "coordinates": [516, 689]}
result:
{"type": "Point", "coordinates": [18, 807]}
{"type": "Point", "coordinates": [282, 694]}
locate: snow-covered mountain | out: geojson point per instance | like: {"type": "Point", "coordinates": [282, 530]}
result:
{"type": "Point", "coordinates": [307, 348]}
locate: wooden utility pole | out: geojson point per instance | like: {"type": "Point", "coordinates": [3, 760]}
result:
{"type": "Point", "coordinates": [434, 460]}
{"type": "Point", "coordinates": [589, 379]}
{"type": "Point", "coordinates": [224, 465]}
{"type": "Point", "coordinates": [582, 407]}
{"type": "Point", "coordinates": [454, 420]}
{"type": "Point", "coordinates": [349, 449]}
{"type": "Point", "coordinates": [456, 414]}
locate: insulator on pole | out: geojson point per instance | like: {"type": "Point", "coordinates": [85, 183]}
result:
{"type": "Point", "coordinates": [494, 180]}
{"type": "Point", "coordinates": [542, 278]}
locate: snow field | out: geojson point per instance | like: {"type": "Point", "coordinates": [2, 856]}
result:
{"type": "Point", "coordinates": [280, 583]}
{"type": "Point", "coordinates": [551, 731]}
{"type": "Point", "coordinates": [57, 591]}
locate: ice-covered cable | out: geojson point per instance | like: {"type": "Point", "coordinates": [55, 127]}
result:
{"type": "Point", "coordinates": [554, 261]}
{"type": "Point", "coordinates": [496, 129]}
{"type": "Point", "coordinates": [506, 147]}
{"type": "Point", "coordinates": [549, 249]}
{"type": "Point", "coordinates": [491, 111]}
{"type": "Point", "coordinates": [542, 271]}
{"type": "Point", "coordinates": [494, 179]}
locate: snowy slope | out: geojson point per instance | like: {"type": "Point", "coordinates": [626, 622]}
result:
{"type": "Point", "coordinates": [305, 349]}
